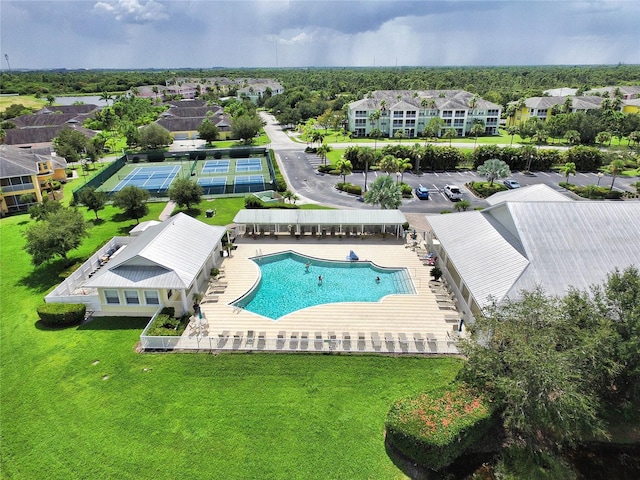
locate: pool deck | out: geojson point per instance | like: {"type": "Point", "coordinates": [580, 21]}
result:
{"type": "Point", "coordinates": [396, 324]}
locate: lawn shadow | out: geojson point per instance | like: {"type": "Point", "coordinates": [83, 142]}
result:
{"type": "Point", "coordinates": [191, 211]}
{"type": "Point", "coordinates": [115, 323]}
{"type": "Point", "coordinates": [97, 221]}
{"type": "Point", "coordinates": [46, 275]}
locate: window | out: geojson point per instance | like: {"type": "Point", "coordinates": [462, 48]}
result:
{"type": "Point", "coordinates": [447, 113]}
{"type": "Point", "coordinates": [447, 122]}
{"type": "Point", "coordinates": [410, 123]}
{"type": "Point", "coordinates": [361, 122]}
{"type": "Point", "coordinates": [361, 113]}
{"type": "Point", "coordinates": [397, 113]}
{"type": "Point", "coordinates": [460, 113]}
{"type": "Point", "coordinates": [169, 294]}
{"type": "Point", "coordinates": [151, 297]}
{"type": "Point", "coordinates": [411, 114]}
{"type": "Point", "coordinates": [112, 297]}
{"type": "Point", "coordinates": [131, 297]}
{"type": "Point", "coordinates": [397, 123]}
{"type": "Point", "coordinates": [459, 122]}
{"type": "Point", "coordinates": [493, 111]}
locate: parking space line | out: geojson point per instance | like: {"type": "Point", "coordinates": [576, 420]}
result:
{"type": "Point", "coordinates": [583, 174]}
{"type": "Point", "coordinates": [544, 173]}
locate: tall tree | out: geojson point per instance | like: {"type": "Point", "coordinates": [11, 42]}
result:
{"type": "Point", "coordinates": [366, 156]}
{"type": "Point", "coordinates": [450, 133]}
{"type": "Point", "coordinates": [477, 129]}
{"type": "Point", "coordinates": [70, 144]}
{"type": "Point", "coordinates": [615, 168]}
{"type": "Point", "coordinates": [133, 200]}
{"type": "Point", "coordinates": [345, 168]}
{"type": "Point", "coordinates": [208, 131]}
{"type": "Point", "coordinates": [322, 152]}
{"type": "Point", "coordinates": [567, 169]}
{"type": "Point", "coordinates": [59, 233]}
{"type": "Point", "coordinates": [494, 169]}
{"type": "Point", "coordinates": [384, 192]}
{"type": "Point", "coordinates": [403, 164]}
{"type": "Point", "coordinates": [185, 193]}
{"type": "Point", "coordinates": [92, 199]}
{"type": "Point", "coordinates": [245, 127]}
{"type": "Point", "coordinates": [154, 136]}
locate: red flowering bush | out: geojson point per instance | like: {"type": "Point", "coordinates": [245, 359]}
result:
{"type": "Point", "coordinates": [436, 427]}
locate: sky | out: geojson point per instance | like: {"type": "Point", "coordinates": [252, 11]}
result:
{"type": "Point", "coordinates": [133, 34]}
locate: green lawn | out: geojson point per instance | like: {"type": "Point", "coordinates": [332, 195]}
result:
{"type": "Point", "coordinates": [27, 100]}
{"type": "Point", "coordinates": [81, 403]}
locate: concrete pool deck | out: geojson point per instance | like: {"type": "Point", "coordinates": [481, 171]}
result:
{"type": "Point", "coordinates": [396, 324]}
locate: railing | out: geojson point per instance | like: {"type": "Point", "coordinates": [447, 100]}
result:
{"type": "Point", "coordinates": [374, 342]}
{"type": "Point", "coordinates": [17, 188]}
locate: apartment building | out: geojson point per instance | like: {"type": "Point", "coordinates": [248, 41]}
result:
{"type": "Point", "coordinates": [410, 111]}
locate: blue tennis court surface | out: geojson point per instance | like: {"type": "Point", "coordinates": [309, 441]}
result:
{"type": "Point", "coordinates": [149, 178]}
{"type": "Point", "coordinates": [215, 166]}
{"type": "Point", "coordinates": [248, 183]}
{"type": "Point", "coordinates": [248, 165]}
{"type": "Point", "coordinates": [212, 185]}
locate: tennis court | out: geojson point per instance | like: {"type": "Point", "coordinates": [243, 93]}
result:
{"type": "Point", "coordinates": [213, 185]}
{"type": "Point", "coordinates": [248, 165]}
{"type": "Point", "coordinates": [248, 183]}
{"type": "Point", "coordinates": [149, 178]}
{"type": "Point", "coordinates": [215, 166]}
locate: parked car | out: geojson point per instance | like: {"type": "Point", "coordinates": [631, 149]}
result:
{"type": "Point", "coordinates": [422, 193]}
{"type": "Point", "coordinates": [453, 192]}
{"type": "Point", "coordinates": [510, 184]}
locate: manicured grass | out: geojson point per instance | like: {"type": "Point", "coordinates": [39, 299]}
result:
{"type": "Point", "coordinates": [81, 403]}
{"type": "Point", "coordinates": [27, 100]}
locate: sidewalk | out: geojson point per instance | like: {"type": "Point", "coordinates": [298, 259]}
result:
{"type": "Point", "coordinates": [167, 211]}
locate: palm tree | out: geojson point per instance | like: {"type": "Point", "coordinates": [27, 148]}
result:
{"type": "Point", "coordinates": [615, 168]}
{"type": "Point", "coordinates": [106, 96]}
{"type": "Point", "coordinates": [512, 131]}
{"type": "Point", "coordinates": [634, 137]}
{"type": "Point", "coordinates": [473, 102]}
{"type": "Point", "coordinates": [572, 136]}
{"type": "Point", "coordinates": [322, 151]}
{"type": "Point", "coordinates": [567, 106]}
{"type": "Point", "coordinates": [450, 133]}
{"type": "Point", "coordinates": [389, 164]}
{"type": "Point", "coordinates": [476, 129]}
{"type": "Point", "coordinates": [385, 193]}
{"type": "Point", "coordinates": [317, 137]}
{"type": "Point", "coordinates": [568, 168]}
{"type": "Point", "coordinates": [402, 165]}
{"type": "Point", "coordinates": [399, 135]}
{"type": "Point", "coordinates": [366, 156]}
{"type": "Point", "coordinates": [345, 168]}
{"type": "Point", "coordinates": [603, 137]}
{"type": "Point", "coordinates": [463, 205]}
{"type": "Point", "coordinates": [494, 169]}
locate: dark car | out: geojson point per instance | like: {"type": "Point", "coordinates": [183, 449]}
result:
{"type": "Point", "coordinates": [422, 193]}
{"type": "Point", "coordinates": [510, 184]}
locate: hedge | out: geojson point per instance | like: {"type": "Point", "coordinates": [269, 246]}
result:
{"type": "Point", "coordinates": [349, 188]}
{"type": "Point", "coordinates": [434, 428]}
{"type": "Point", "coordinates": [62, 314]}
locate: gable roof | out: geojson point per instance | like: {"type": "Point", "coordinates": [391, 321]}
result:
{"type": "Point", "coordinates": [30, 136]}
{"type": "Point", "coordinates": [532, 193]}
{"type": "Point", "coordinates": [75, 109]}
{"type": "Point", "coordinates": [15, 161]}
{"type": "Point", "coordinates": [515, 246]}
{"type": "Point", "coordinates": [166, 255]}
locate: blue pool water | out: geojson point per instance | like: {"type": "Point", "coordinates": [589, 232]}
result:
{"type": "Point", "coordinates": [286, 285]}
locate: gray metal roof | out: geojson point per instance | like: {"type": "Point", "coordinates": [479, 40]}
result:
{"type": "Point", "coordinates": [533, 193]}
{"type": "Point", "coordinates": [319, 217]}
{"type": "Point", "coordinates": [167, 255]}
{"type": "Point", "coordinates": [517, 246]}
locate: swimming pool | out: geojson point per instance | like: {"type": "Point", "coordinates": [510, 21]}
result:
{"type": "Point", "coordinates": [286, 284]}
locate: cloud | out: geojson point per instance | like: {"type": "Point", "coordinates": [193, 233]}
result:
{"type": "Point", "coordinates": [133, 11]}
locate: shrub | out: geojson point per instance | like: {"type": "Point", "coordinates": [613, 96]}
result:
{"type": "Point", "coordinates": [281, 184]}
{"type": "Point", "coordinates": [135, 159]}
{"type": "Point", "coordinates": [251, 201]}
{"type": "Point", "coordinates": [407, 191]}
{"type": "Point", "coordinates": [435, 428]}
{"type": "Point", "coordinates": [349, 188]}
{"type": "Point", "coordinates": [62, 314]}
{"type": "Point", "coordinates": [217, 155]}
{"type": "Point", "coordinates": [325, 168]}
{"type": "Point", "coordinates": [166, 325]}
{"type": "Point", "coordinates": [484, 189]}
{"type": "Point", "coordinates": [155, 156]}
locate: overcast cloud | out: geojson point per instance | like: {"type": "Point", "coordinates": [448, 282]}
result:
{"type": "Point", "coordinates": [209, 33]}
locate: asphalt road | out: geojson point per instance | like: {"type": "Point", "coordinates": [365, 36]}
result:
{"type": "Point", "coordinates": [300, 171]}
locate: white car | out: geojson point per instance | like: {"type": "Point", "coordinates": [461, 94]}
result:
{"type": "Point", "coordinates": [453, 192]}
